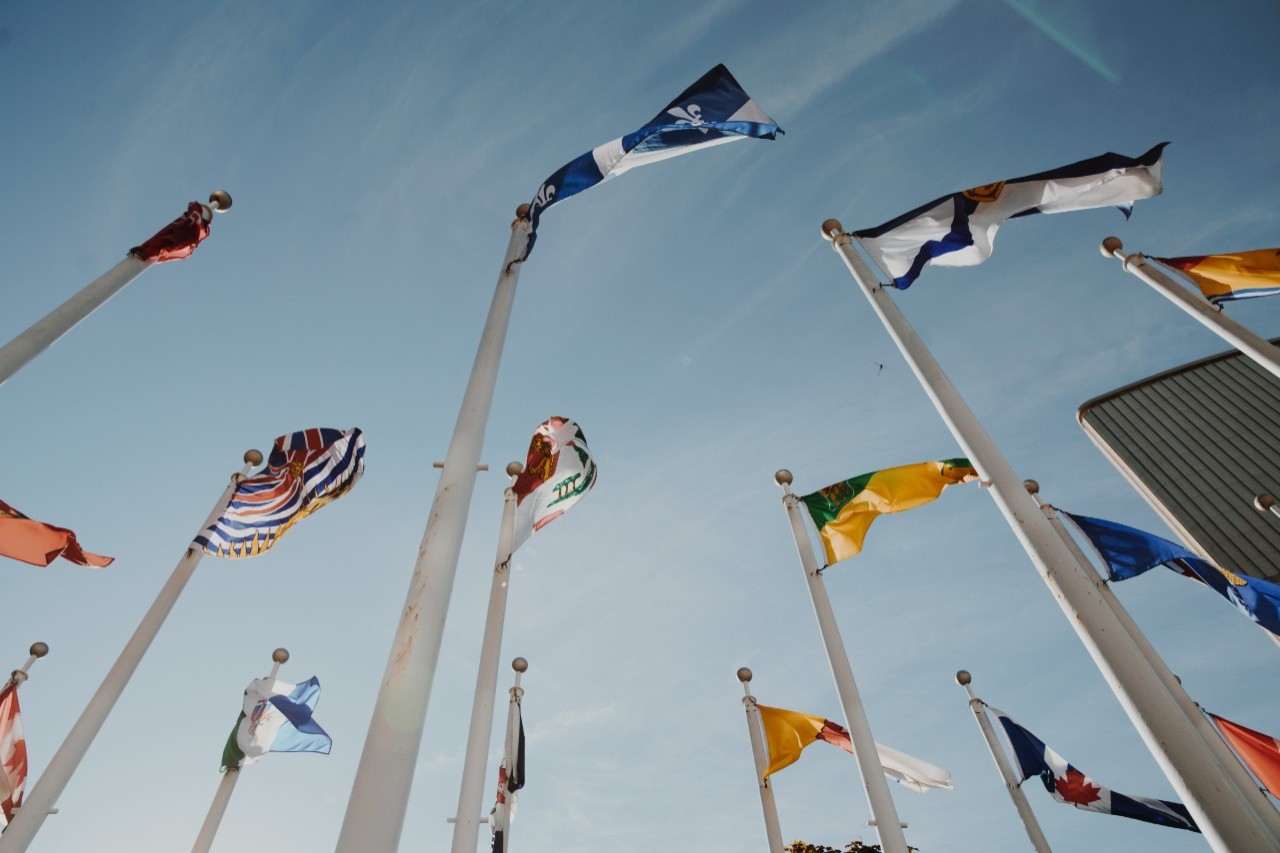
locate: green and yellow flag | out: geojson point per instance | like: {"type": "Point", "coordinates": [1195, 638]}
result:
{"type": "Point", "coordinates": [843, 512]}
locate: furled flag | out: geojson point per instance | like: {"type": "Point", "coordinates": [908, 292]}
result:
{"type": "Point", "coordinates": [276, 718]}
{"type": "Point", "coordinates": [558, 471]}
{"type": "Point", "coordinates": [510, 780]}
{"type": "Point", "coordinates": [789, 732]}
{"type": "Point", "coordinates": [39, 544]}
{"type": "Point", "coordinates": [957, 230]}
{"type": "Point", "coordinates": [305, 471]}
{"type": "Point", "coordinates": [1259, 752]}
{"type": "Point", "coordinates": [843, 512]}
{"type": "Point", "coordinates": [1223, 278]}
{"type": "Point", "coordinates": [1128, 552]}
{"type": "Point", "coordinates": [13, 754]}
{"type": "Point", "coordinates": [712, 111]}
{"type": "Point", "coordinates": [179, 238]}
{"type": "Point", "coordinates": [1069, 785]}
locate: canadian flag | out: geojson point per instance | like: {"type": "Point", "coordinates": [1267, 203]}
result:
{"type": "Point", "coordinates": [13, 754]}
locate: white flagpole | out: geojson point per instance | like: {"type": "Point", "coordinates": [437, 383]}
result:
{"type": "Point", "coordinates": [1226, 822]}
{"type": "Point", "coordinates": [37, 651]}
{"type": "Point", "coordinates": [204, 841]}
{"type": "Point", "coordinates": [1245, 786]}
{"type": "Point", "coordinates": [772, 830]}
{"type": "Point", "coordinates": [37, 806]}
{"type": "Point", "coordinates": [40, 336]}
{"type": "Point", "coordinates": [466, 827]}
{"type": "Point", "coordinates": [380, 792]}
{"type": "Point", "coordinates": [1215, 319]}
{"type": "Point", "coordinates": [884, 814]}
{"type": "Point", "coordinates": [511, 757]}
{"type": "Point", "coordinates": [1011, 782]}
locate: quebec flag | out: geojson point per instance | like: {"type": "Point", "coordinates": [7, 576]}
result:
{"type": "Point", "coordinates": [1069, 785]}
{"type": "Point", "coordinates": [712, 111]}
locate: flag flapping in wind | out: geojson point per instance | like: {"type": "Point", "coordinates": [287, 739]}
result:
{"type": "Point", "coordinates": [510, 780]}
{"type": "Point", "coordinates": [789, 732]}
{"type": "Point", "coordinates": [958, 230]}
{"type": "Point", "coordinates": [13, 754]}
{"type": "Point", "coordinates": [1259, 752]}
{"type": "Point", "coordinates": [1129, 552]}
{"type": "Point", "coordinates": [305, 471]}
{"type": "Point", "coordinates": [843, 512]}
{"type": "Point", "coordinates": [712, 111]}
{"type": "Point", "coordinates": [1068, 785]}
{"type": "Point", "coordinates": [559, 470]}
{"type": "Point", "coordinates": [1224, 278]}
{"type": "Point", "coordinates": [179, 238]}
{"type": "Point", "coordinates": [276, 717]}
{"type": "Point", "coordinates": [39, 544]}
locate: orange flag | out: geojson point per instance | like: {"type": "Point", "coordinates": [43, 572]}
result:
{"type": "Point", "coordinates": [38, 543]}
{"type": "Point", "coordinates": [1259, 752]}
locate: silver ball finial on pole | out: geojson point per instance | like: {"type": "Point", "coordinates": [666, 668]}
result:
{"type": "Point", "coordinates": [1264, 502]}
{"type": "Point", "coordinates": [963, 678]}
{"type": "Point", "coordinates": [522, 212]}
{"type": "Point", "coordinates": [253, 457]}
{"type": "Point", "coordinates": [220, 201]}
{"type": "Point", "coordinates": [514, 469]}
{"type": "Point", "coordinates": [831, 229]}
{"type": "Point", "coordinates": [744, 674]}
{"type": "Point", "coordinates": [280, 656]}
{"type": "Point", "coordinates": [39, 650]}
{"type": "Point", "coordinates": [783, 477]}
{"type": "Point", "coordinates": [1112, 248]}
{"type": "Point", "coordinates": [520, 665]}
{"type": "Point", "coordinates": [1032, 486]}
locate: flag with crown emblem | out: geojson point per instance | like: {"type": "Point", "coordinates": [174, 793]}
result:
{"type": "Point", "coordinates": [559, 470]}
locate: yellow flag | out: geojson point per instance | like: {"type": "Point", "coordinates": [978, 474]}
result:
{"type": "Point", "coordinates": [1242, 275]}
{"type": "Point", "coordinates": [787, 733]}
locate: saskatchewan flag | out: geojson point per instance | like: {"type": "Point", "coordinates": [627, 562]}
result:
{"type": "Point", "coordinates": [844, 511]}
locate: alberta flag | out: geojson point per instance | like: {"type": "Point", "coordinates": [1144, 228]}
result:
{"type": "Point", "coordinates": [558, 472]}
{"type": "Point", "coordinates": [1068, 785]}
{"type": "Point", "coordinates": [958, 230]}
{"type": "Point", "coordinates": [276, 718]}
{"type": "Point", "coordinates": [712, 111]}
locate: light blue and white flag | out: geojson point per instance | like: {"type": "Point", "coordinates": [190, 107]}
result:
{"type": "Point", "coordinates": [712, 111]}
{"type": "Point", "coordinates": [958, 230]}
{"type": "Point", "coordinates": [276, 717]}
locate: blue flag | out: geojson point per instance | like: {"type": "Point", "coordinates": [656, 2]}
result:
{"type": "Point", "coordinates": [1128, 552]}
{"type": "Point", "coordinates": [712, 111]}
{"type": "Point", "coordinates": [1068, 785]}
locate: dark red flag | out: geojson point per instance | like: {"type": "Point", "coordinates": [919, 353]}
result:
{"type": "Point", "coordinates": [178, 239]}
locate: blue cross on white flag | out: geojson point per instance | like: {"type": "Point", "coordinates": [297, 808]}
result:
{"type": "Point", "coordinates": [712, 111]}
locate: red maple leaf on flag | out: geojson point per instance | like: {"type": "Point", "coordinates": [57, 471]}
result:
{"type": "Point", "coordinates": [1075, 788]}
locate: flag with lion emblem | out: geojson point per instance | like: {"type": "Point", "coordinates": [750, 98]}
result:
{"type": "Point", "coordinates": [558, 471]}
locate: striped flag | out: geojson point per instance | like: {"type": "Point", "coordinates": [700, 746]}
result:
{"type": "Point", "coordinates": [1224, 278]}
{"type": "Point", "coordinates": [305, 471]}
{"type": "Point", "coordinates": [13, 754]}
{"type": "Point", "coordinates": [1259, 752]}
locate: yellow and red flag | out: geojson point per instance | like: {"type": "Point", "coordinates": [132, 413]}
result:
{"type": "Point", "coordinates": [1240, 275]}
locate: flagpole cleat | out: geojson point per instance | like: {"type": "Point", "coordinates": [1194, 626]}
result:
{"type": "Point", "coordinates": [1111, 247]}
{"type": "Point", "coordinates": [831, 229]}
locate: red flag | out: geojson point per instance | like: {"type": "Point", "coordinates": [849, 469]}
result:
{"type": "Point", "coordinates": [178, 239]}
{"type": "Point", "coordinates": [13, 754]}
{"type": "Point", "coordinates": [1259, 752]}
{"type": "Point", "coordinates": [39, 544]}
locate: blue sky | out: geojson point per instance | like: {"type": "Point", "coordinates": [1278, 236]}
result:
{"type": "Point", "coordinates": [686, 315]}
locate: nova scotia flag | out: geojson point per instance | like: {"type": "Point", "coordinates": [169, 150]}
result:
{"type": "Point", "coordinates": [712, 111]}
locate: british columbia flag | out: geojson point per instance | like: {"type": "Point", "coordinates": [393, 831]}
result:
{"type": "Point", "coordinates": [305, 471]}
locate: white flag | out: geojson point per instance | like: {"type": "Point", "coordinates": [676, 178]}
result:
{"type": "Point", "coordinates": [558, 471]}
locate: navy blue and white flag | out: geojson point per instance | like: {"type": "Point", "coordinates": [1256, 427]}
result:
{"type": "Point", "coordinates": [957, 230]}
{"type": "Point", "coordinates": [1128, 552]}
{"type": "Point", "coordinates": [1068, 785]}
{"type": "Point", "coordinates": [712, 111]}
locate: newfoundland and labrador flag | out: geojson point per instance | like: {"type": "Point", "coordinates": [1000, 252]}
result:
{"type": "Point", "coordinates": [843, 512]}
{"type": "Point", "coordinates": [40, 544]}
{"type": "Point", "coordinates": [958, 230]}
{"type": "Point", "coordinates": [305, 471]}
{"type": "Point", "coordinates": [1128, 552]}
{"type": "Point", "coordinates": [559, 470]}
{"type": "Point", "coordinates": [276, 718]}
{"type": "Point", "coordinates": [1068, 785]}
{"type": "Point", "coordinates": [1223, 278]}
{"type": "Point", "coordinates": [712, 111]}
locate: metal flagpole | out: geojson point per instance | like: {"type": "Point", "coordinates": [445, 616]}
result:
{"type": "Point", "coordinates": [65, 761]}
{"type": "Point", "coordinates": [772, 830]}
{"type": "Point", "coordinates": [1245, 786]}
{"type": "Point", "coordinates": [1226, 822]}
{"type": "Point", "coordinates": [466, 828]}
{"type": "Point", "coordinates": [511, 754]}
{"type": "Point", "coordinates": [1214, 318]}
{"type": "Point", "coordinates": [1011, 782]}
{"type": "Point", "coordinates": [380, 792]}
{"type": "Point", "coordinates": [222, 796]}
{"type": "Point", "coordinates": [37, 651]}
{"type": "Point", "coordinates": [884, 815]}
{"type": "Point", "coordinates": [35, 340]}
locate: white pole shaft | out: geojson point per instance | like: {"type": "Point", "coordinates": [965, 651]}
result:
{"type": "Point", "coordinates": [35, 340]}
{"type": "Point", "coordinates": [204, 841]}
{"type": "Point", "coordinates": [466, 828]}
{"type": "Point", "coordinates": [380, 792]}
{"type": "Point", "coordinates": [1011, 782]}
{"type": "Point", "coordinates": [772, 829]}
{"type": "Point", "coordinates": [1244, 784]}
{"type": "Point", "coordinates": [1226, 822]}
{"type": "Point", "coordinates": [884, 814]}
{"type": "Point", "coordinates": [510, 759]}
{"type": "Point", "coordinates": [45, 794]}
{"type": "Point", "coordinates": [1252, 345]}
